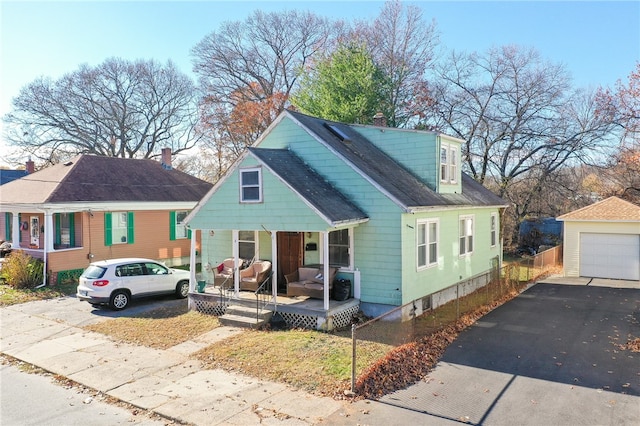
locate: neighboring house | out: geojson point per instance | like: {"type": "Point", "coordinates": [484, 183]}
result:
{"type": "Point", "coordinates": [536, 232]}
{"type": "Point", "coordinates": [7, 176]}
{"type": "Point", "coordinates": [95, 207]}
{"type": "Point", "coordinates": [603, 240]}
{"type": "Point", "coordinates": [389, 207]}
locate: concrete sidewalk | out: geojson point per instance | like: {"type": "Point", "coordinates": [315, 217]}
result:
{"type": "Point", "coordinates": [166, 382]}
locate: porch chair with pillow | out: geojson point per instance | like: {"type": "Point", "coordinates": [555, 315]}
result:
{"type": "Point", "coordinates": [252, 277]}
{"type": "Point", "coordinates": [223, 274]}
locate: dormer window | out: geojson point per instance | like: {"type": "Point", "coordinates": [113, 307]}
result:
{"type": "Point", "coordinates": [251, 185]}
{"type": "Point", "coordinates": [448, 163]}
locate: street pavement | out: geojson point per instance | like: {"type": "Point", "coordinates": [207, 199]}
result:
{"type": "Point", "coordinates": [506, 369]}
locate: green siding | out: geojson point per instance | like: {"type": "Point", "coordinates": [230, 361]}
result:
{"type": "Point", "coordinates": [451, 267]}
{"type": "Point", "coordinates": [384, 247]}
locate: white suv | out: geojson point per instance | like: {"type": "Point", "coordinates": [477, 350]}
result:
{"type": "Point", "coordinates": [115, 282]}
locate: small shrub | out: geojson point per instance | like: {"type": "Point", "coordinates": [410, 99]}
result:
{"type": "Point", "coordinates": [22, 271]}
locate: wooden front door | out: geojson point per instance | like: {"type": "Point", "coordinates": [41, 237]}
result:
{"type": "Point", "coordinates": [289, 255]}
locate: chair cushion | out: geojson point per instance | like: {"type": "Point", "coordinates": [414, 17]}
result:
{"type": "Point", "coordinates": [307, 274]}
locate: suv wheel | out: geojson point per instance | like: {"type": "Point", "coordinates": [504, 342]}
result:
{"type": "Point", "coordinates": [119, 300]}
{"type": "Point", "coordinates": [182, 289]}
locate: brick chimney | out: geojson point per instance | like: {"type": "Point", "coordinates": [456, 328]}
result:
{"type": "Point", "coordinates": [30, 166]}
{"type": "Point", "coordinates": [166, 158]}
{"type": "Point", "coordinates": [379, 120]}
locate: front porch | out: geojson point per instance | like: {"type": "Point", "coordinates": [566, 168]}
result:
{"type": "Point", "coordinates": [297, 312]}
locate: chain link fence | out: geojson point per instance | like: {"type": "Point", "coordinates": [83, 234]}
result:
{"type": "Point", "coordinates": [438, 310]}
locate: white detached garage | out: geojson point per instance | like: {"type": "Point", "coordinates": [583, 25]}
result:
{"type": "Point", "coordinates": [603, 240]}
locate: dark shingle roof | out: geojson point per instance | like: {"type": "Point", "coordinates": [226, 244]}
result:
{"type": "Point", "coordinates": [387, 173]}
{"type": "Point", "coordinates": [91, 178]}
{"type": "Point", "coordinates": [305, 181]}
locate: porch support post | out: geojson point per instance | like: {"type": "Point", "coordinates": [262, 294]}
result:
{"type": "Point", "coordinates": [325, 272]}
{"type": "Point", "coordinates": [236, 264]}
{"type": "Point", "coordinates": [48, 244]}
{"type": "Point", "coordinates": [48, 231]}
{"type": "Point", "coordinates": [274, 265]}
{"type": "Point", "coordinates": [192, 264]}
{"type": "Point", "coordinates": [15, 230]}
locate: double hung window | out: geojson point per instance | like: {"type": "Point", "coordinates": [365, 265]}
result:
{"type": "Point", "coordinates": [427, 243]}
{"type": "Point", "coordinates": [466, 235]}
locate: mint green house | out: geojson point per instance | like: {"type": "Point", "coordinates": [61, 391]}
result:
{"type": "Point", "coordinates": [388, 211]}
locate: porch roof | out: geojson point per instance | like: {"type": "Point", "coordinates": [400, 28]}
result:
{"type": "Point", "coordinates": [325, 198]}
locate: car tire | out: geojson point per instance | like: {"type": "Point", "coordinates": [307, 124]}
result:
{"type": "Point", "coordinates": [119, 300]}
{"type": "Point", "coordinates": [182, 289]}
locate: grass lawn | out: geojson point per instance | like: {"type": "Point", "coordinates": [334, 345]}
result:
{"type": "Point", "coordinates": [161, 328]}
{"type": "Point", "coordinates": [314, 361]}
{"type": "Point", "coordinates": [11, 296]}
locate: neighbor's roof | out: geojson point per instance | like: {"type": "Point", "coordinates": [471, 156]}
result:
{"type": "Point", "coordinates": [92, 178]}
{"type": "Point", "coordinates": [410, 191]}
{"type": "Point", "coordinates": [612, 208]}
{"type": "Point", "coordinates": [7, 176]}
{"type": "Point", "coordinates": [328, 200]}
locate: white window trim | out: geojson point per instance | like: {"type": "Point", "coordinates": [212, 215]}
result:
{"type": "Point", "coordinates": [351, 250]}
{"type": "Point", "coordinates": [493, 225]}
{"type": "Point", "coordinates": [250, 169]}
{"type": "Point", "coordinates": [444, 177]}
{"type": "Point", "coordinates": [114, 219]}
{"type": "Point", "coordinates": [473, 233]}
{"type": "Point", "coordinates": [181, 226]}
{"type": "Point", "coordinates": [426, 223]}
{"type": "Point", "coordinates": [453, 164]}
{"type": "Point", "coordinates": [450, 166]}
{"type": "Point", "coordinates": [256, 247]}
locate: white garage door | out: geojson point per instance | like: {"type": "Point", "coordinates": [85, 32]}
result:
{"type": "Point", "coordinates": [610, 256]}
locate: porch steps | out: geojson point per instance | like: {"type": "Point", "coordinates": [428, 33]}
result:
{"type": "Point", "coordinates": [244, 316]}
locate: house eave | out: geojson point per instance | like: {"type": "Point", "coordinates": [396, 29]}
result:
{"type": "Point", "coordinates": [425, 209]}
{"type": "Point", "coordinates": [101, 206]}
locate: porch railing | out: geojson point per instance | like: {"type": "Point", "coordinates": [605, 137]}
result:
{"type": "Point", "coordinates": [263, 295]}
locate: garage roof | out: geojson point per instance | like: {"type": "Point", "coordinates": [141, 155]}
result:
{"type": "Point", "coordinates": [612, 208]}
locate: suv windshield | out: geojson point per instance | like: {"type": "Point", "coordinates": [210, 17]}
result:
{"type": "Point", "coordinates": [94, 272]}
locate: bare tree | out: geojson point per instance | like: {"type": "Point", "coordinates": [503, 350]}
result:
{"type": "Point", "coordinates": [519, 119]}
{"type": "Point", "coordinates": [247, 71]}
{"type": "Point", "coordinates": [402, 44]}
{"type": "Point", "coordinates": [117, 109]}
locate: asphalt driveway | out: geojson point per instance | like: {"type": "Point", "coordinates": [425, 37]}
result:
{"type": "Point", "coordinates": [553, 356]}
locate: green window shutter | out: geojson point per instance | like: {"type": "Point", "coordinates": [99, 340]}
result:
{"type": "Point", "coordinates": [172, 225]}
{"type": "Point", "coordinates": [58, 237]}
{"type": "Point", "coordinates": [107, 229]}
{"type": "Point", "coordinates": [72, 230]}
{"type": "Point", "coordinates": [20, 225]}
{"type": "Point", "coordinates": [130, 228]}
{"type": "Point", "coordinates": [7, 226]}
{"type": "Point", "coordinates": [189, 233]}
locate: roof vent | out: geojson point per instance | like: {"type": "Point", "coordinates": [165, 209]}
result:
{"type": "Point", "coordinates": [337, 132]}
{"type": "Point", "coordinates": [68, 163]}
